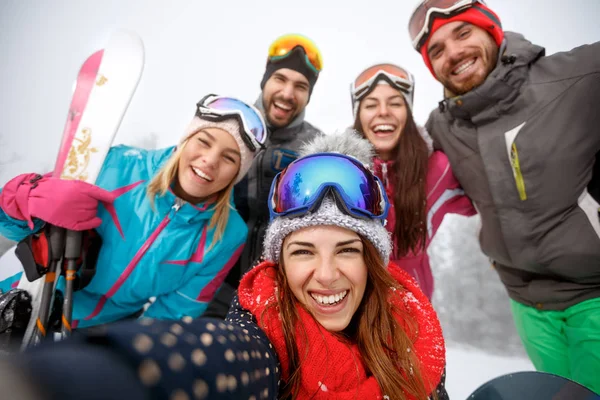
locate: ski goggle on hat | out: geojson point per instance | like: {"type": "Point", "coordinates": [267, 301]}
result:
{"type": "Point", "coordinates": [395, 75]}
{"type": "Point", "coordinates": [422, 18]}
{"type": "Point", "coordinates": [302, 185]}
{"type": "Point", "coordinates": [284, 45]}
{"type": "Point", "coordinates": [217, 108]}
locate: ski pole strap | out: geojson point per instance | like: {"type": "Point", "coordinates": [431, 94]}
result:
{"type": "Point", "coordinates": [91, 245]}
{"type": "Point", "coordinates": [35, 255]}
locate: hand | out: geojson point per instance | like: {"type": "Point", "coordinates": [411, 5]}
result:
{"type": "Point", "coordinates": [69, 204]}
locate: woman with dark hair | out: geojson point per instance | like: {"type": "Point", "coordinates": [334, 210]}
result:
{"type": "Point", "coordinates": [418, 181]}
{"type": "Point", "coordinates": [325, 316]}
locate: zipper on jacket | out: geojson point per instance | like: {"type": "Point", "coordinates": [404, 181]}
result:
{"type": "Point", "coordinates": [178, 203]}
{"type": "Point", "coordinates": [516, 167]}
{"type": "Point", "coordinates": [384, 174]}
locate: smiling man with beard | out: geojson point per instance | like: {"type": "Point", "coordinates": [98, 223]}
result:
{"type": "Point", "coordinates": [293, 66]}
{"type": "Point", "coordinates": [521, 131]}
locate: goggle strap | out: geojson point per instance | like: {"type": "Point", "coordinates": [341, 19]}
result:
{"type": "Point", "coordinates": [370, 84]}
{"type": "Point", "coordinates": [489, 15]}
{"type": "Point", "coordinates": [309, 64]}
{"type": "Point", "coordinates": [448, 13]}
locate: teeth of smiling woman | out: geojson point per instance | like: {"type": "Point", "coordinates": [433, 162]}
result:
{"type": "Point", "coordinates": [386, 128]}
{"type": "Point", "coordinates": [463, 67]}
{"type": "Point", "coordinates": [331, 299]}
{"type": "Point", "coordinates": [202, 174]}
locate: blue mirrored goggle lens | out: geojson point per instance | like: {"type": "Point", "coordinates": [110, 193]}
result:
{"type": "Point", "coordinates": [254, 123]}
{"type": "Point", "coordinates": [304, 180]}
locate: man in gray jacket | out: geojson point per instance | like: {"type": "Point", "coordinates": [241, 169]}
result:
{"type": "Point", "coordinates": [521, 130]}
{"type": "Point", "coordinates": [292, 69]}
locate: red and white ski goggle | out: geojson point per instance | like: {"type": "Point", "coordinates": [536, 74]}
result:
{"type": "Point", "coordinates": [421, 19]}
{"type": "Point", "coordinates": [396, 76]}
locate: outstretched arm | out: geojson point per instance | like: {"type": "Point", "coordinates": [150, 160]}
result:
{"type": "Point", "coordinates": [150, 359]}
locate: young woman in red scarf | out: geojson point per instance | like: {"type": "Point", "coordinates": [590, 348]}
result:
{"type": "Point", "coordinates": [345, 323]}
{"type": "Point", "coordinates": [325, 317]}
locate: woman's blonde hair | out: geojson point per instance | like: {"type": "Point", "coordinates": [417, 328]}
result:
{"type": "Point", "coordinates": [160, 184]}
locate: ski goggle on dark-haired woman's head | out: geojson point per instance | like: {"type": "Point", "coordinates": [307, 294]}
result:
{"type": "Point", "coordinates": [394, 75]}
{"type": "Point", "coordinates": [302, 185]}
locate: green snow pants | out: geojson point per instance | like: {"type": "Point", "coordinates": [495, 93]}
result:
{"type": "Point", "coordinates": [565, 343]}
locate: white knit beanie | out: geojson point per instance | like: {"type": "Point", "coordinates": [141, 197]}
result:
{"type": "Point", "coordinates": [328, 213]}
{"type": "Point", "coordinates": [233, 127]}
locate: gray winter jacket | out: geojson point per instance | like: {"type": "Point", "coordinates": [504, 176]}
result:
{"type": "Point", "coordinates": [251, 196]}
{"type": "Point", "coordinates": [523, 146]}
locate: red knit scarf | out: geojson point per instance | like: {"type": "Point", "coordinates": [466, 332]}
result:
{"type": "Point", "coordinates": [332, 368]}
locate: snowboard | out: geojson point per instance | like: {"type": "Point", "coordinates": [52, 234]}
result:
{"type": "Point", "coordinates": [532, 385]}
{"type": "Point", "coordinates": [103, 90]}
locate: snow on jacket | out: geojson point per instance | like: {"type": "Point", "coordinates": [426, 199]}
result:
{"type": "Point", "coordinates": [523, 145]}
{"type": "Point", "coordinates": [444, 195]}
{"type": "Point", "coordinates": [167, 253]}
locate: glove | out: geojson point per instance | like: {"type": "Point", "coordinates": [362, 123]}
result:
{"type": "Point", "coordinates": [70, 204]}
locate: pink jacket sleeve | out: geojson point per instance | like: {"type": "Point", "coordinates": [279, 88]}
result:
{"type": "Point", "coordinates": [444, 194]}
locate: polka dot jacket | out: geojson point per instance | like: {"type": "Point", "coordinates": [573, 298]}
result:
{"type": "Point", "coordinates": [204, 358]}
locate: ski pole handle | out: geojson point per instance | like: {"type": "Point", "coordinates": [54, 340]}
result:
{"type": "Point", "coordinates": [72, 254]}
{"type": "Point", "coordinates": [57, 245]}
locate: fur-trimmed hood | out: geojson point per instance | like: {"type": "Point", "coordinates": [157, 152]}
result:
{"type": "Point", "coordinates": [348, 142]}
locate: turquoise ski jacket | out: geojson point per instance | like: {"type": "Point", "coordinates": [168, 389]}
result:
{"type": "Point", "coordinates": [163, 255]}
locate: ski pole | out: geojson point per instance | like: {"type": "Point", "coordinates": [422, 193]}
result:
{"type": "Point", "coordinates": [72, 254]}
{"type": "Point", "coordinates": [57, 244]}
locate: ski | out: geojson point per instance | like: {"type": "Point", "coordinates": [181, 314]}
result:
{"type": "Point", "coordinates": [83, 88]}
{"type": "Point", "coordinates": [105, 85]}
{"type": "Point", "coordinates": [81, 94]}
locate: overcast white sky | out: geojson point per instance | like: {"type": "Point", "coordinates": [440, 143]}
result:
{"type": "Point", "coordinates": [196, 47]}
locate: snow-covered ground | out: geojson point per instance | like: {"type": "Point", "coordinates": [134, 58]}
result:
{"type": "Point", "coordinates": [468, 368]}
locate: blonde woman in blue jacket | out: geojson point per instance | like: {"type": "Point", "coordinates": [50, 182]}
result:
{"type": "Point", "coordinates": [166, 217]}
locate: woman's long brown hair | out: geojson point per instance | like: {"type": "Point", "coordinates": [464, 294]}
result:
{"type": "Point", "coordinates": [386, 347]}
{"type": "Point", "coordinates": [409, 177]}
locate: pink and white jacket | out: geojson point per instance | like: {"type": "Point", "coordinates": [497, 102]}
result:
{"type": "Point", "coordinates": [444, 195]}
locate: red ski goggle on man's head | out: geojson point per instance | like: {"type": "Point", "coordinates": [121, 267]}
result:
{"type": "Point", "coordinates": [430, 15]}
